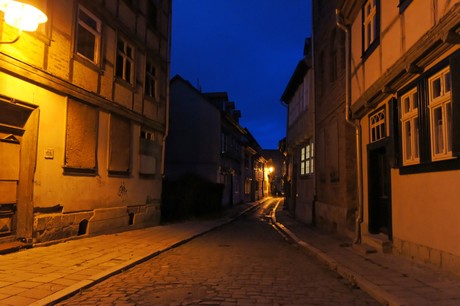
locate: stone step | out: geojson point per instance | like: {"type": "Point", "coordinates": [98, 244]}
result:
{"type": "Point", "coordinates": [363, 249]}
{"type": "Point", "coordinates": [378, 241]}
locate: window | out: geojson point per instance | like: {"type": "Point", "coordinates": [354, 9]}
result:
{"type": "Point", "coordinates": [403, 4]}
{"type": "Point", "coordinates": [223, 143]}
{"type": "Point", "coordinates": [371, 25]}
{"type": "Point", "coordinates": [321, 72]}
{"type": "Point", "coordinates": [377, 125]}
{"type": "Point", "coordinates": [148, 152]}
{"type": "Point", "coordinates": [410, 128]}
{"type": "Point", "coordinates": [247, 186]}
{"type": "Point", "coordinates": [333, 57]}
{"type": "Point", "coordinates": [81, 138]}
{"type": "Point", "coordinates": [88, 35]}
{"type": "Point", "coordinates": [119, 146]}
{"type": "Point", "coordinates": [153, 14]}
{"type": "Point", "coordinates": [150, 80]}
{"type": "Point", "coordinates": [306, 159]}
{"type": "Point", "coordinates": [125, 61]}
{"type": "Point", "coordinates": [440, 105]}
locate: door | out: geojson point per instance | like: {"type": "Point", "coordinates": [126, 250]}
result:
{"type": "Point", "coordinates": [18, 152]}
{"type": "Point", "coordinates": [379, 192]}
{"type": "Point", "coordinates": [9, 179]}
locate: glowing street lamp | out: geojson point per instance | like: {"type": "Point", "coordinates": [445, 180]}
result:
{"type": "Point", "coordinates": [23, 15]}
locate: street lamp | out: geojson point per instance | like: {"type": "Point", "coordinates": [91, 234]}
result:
{"type": "Point", "coordinates": [23, 15]}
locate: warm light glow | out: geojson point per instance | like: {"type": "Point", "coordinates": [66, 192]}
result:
{"type": "Point", "coordinates": [22, 16]}
{"type": "Point", "coordinates": [270, 170]}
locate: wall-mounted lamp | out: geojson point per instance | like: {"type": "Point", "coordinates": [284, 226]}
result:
{"type": "Point", "coordinates": [23, 15]}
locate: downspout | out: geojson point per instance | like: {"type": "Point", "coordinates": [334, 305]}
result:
{"type": "Point", "coordinates": [167, 84]}
{"type": "Point", "coordinates": [354, 123]}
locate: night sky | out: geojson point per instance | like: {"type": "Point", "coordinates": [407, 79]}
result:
{"type": "Point", "coordinates": [247, 48]}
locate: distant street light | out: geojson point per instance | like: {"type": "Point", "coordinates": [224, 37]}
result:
{"type": "Point", "coordinates": [22, 15]}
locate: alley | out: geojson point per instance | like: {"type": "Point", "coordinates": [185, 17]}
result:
{"type": "Point", "coordinates": [246, 262]}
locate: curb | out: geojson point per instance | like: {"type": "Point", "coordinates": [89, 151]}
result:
{"type": "Point", "coordinates": [379, 294]}
{"type": "Point", "coordinates": [93, 280]}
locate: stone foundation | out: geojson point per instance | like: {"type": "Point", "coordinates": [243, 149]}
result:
{"type": "Point", "coordinates": [440, 259]}
{"type": "Point", "coordinates": [58, 226]}
{"type": "Point", "coordinates": [335, 219]}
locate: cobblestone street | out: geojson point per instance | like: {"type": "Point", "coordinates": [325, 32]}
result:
{"type": "Point", "coordinates": [243, 263]}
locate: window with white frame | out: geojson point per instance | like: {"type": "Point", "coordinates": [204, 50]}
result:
{"type": "Point", "coordinates": [410, 128]}
{"type": "Point", "coordinates": [306, 159]}
{"type": "Point", "coordinates": [88, 36]}
{"type": "Point", "coordinates": [150, 80]}
{"type": "Point", "coordinates": [125, 61]}
{"type": "Point", "coordinates": [440, 105]}
{"type": "Point", "coordinates": [370, 23]}
{"type": "Point", "coordinates": [377, 125]}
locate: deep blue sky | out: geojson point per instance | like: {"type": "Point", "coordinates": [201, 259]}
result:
{"type": "Point", "coordinates": [247, 48]}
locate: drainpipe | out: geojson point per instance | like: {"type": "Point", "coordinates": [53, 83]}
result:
{"type": "Point", "coordinates": [354, 123]}
{"type": "Point", "coordinates": [167, 83]}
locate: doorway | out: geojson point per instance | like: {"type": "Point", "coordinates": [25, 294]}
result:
{"type": "Point", "coordinates": [379, 192]}
{"type": "Point", "coordinates": [18, 149]}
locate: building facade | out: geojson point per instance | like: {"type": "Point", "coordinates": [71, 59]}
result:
{"type": "Point", "coordinates": [83, 103]}
{"type": "Point", "coordinates": [299, 146]}
{"type": "Point", "coordinates": [404, 97]}
{"type": "Point", "coordinates": [335, 163]}
{"type": "Point", "coordinates": [211, 143]}
{"type": "Point", "coordinates": [193, 143]}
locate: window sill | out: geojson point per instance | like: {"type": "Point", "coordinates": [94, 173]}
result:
{"type": "Point", "coordinates": [434, 166]}
{"type": "Point", "coordinates": [124, 83]}
{"type": "Point", "coordinates": [80, 171]}
{"type": "Point", "coordinates": [114, 173]}
{"type": "Point", "coordinates": [88, 63]}
{"type": "Point", "coordinates": [147, 176]}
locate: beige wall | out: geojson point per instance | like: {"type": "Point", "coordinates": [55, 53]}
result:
{"type": "Point", "coordinates": [430, 215]}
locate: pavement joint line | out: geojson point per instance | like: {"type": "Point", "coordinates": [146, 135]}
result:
{"type": "Point", "coordinates": [381, 295]}
{"type": "Point", "coordinates": [95, 279]}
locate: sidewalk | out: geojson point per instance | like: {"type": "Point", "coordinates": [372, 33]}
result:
{"type": "Point", "coordinates": [46, 275]}
{"type": "Point", "coordinates": [390, 279]}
